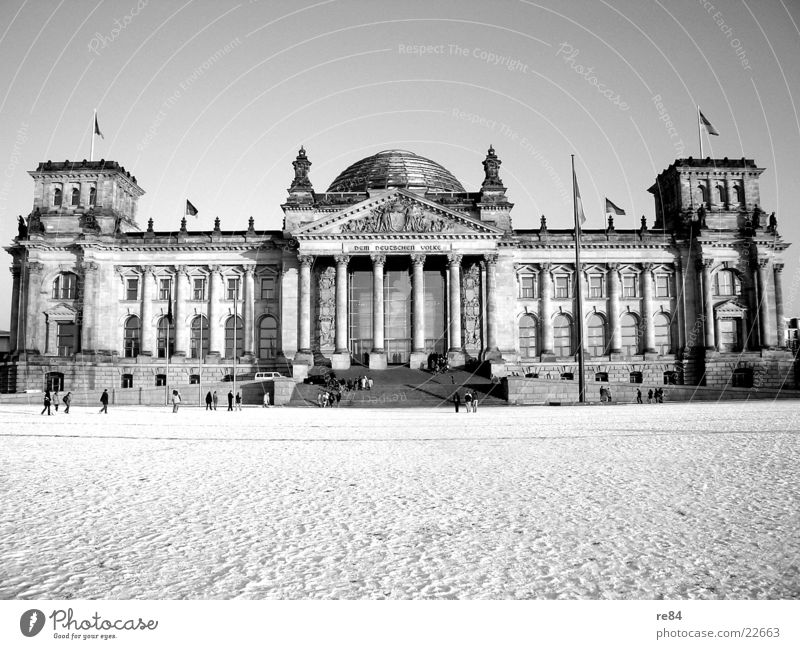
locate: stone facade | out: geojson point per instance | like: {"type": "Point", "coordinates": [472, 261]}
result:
{"type": "Point", "coordinates": [396, 262]}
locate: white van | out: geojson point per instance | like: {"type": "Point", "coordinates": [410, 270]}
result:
{"type": "Point", "coordinates": [268, 376]}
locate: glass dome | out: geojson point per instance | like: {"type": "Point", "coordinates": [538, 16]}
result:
{"type": "Point", "coordinates": [395, 168]}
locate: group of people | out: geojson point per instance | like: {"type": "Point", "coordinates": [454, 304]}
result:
{"type": "Point", "coordinates": [212, 399]}
{"type": "Point", "coordinates": [470, 401]}
{"type": "Point", "coordinates": [437, 363]}
{"type": "Point", "coordinates": [605, 394]}
{"type": "Point", "coordinates": [52, 399]}
{"type": "Point", "coordinates": [653, 396]}
{"type": "Point", "coordinates": [329, 399]}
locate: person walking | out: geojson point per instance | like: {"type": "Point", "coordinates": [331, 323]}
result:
{"type": "Point", "coordinates": [638, 395]}
{"type": "Point", "coordinates": [209, 399]}
{"type": "Point", "coordinates": [215, 399]}
{"type": "Point", "coordinates": [650, 395]}
{"type": "Point", "coordinates": [55, 400]}
{"type": "Point", "coordinates": [338, 398]}
{"type": "Point", "coordinates": [238, 401]}
{"type": "Point", "coordinates": [176, 400]}
{"type": "Point", "coordinates": [608, 394]}
{"type": "Point", "coordinates": [230, 401]}
{"type": "Point", "coordinates": [67, 400]}
{"type": "Point", "coordinates": [266, 399]}
{"type": "Point", "coordinates": [468, 401]}
{"type": "Point", "coordinates": [457, 400]}
{"type": "Point", "coordinates": [46, 403]}
{"type": "Point", "coordinates": [104, 401]}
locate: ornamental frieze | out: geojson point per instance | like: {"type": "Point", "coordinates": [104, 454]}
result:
{"type": "Point", "coordinates": [398, 215]}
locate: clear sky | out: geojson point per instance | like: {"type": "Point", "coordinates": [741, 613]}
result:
{"type": "Point", "coordinates": [210, 100]}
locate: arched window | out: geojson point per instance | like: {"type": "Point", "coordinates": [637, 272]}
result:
{"type": "Point", "coordinates": [92, 196]}
{"type": "Point", "coordinates": [562, 335]}
{"type": "Point", "coordinates": [127, 380]}
{"type": "Point", "coordinates": [57, 197]}
{"type": "Point", "coordinates": [596, 335]}
{"type": "Point", "coordinates": [234, 326]}
{"type": "Point", "coordinates": [636, 377]}
{"type": "Point", "coordinates": [739, 190]}
{"type": "Point", "coordinates": [131, 337]}
{"type": "Point", "coordinates": [528, 347]}
{"type": "Point", "coordinates": [268, 337]}
{"type": "Point", "coordinates": [663, 338]}
{"type": "Point", "coordinates": [629, 328]}
{"type": "Point", "coordinates": [601, 376]}
{"type": "Point", "coordinates": [726, 283]}
{"type": "Point", "coordinates": [702, 193]}
{"type": "Point", "coordinates": [165, 341]}
{"type": "Point", "coordinates": [55, 381]}
{"type": "Point", "coordinates": [721, 195]}
{"type": "Point", "coordinates": [199, 337]}
{"type": "Point", "coordinates": [65, 286]}
{"type": "Point", "coordinates": [76, 197]}
{"type": "Point", "coordinates": [161, 380]}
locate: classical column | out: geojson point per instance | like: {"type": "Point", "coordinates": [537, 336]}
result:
{"type": "Point", "coordinates": [304, 342]}
{"type": "Point", "coordinates": [341, 304]}
{"type": "Point", "coordinates": [146, 337]}
{"type": "Point", "coordinates": [16, 273]}
{"type": "Point", "coordinates": [33, 289]}
{"type": "Point", "coordinates": [454, 266]}
{"type": "Point", "coordinates": [418, 302]}
{"type": "Point", "coordinates": [613, 308]}
{"type": "Point", "coordinates": [181, 304]}
{"type": "Point", "coordinates": [764, 311]}
{"type": "Point", "coordinates": [546, 304]}
{"type": "Point", "coordinates": [216, 340]}
{"type": "Point", "coordinates": [491, 303]}
{"type": "Point", "coordinates": [708, 304]}
{"type": "Point", "coordinates": [248, 310]}
{"type": "Point", "coordinates": [378, 342]}
{"type": "Point", "coordinates": [678, 298]}
{"type": "Point", "coordinates": [777, 270]}
{"type": "Point", "coordinates": [647, 309]}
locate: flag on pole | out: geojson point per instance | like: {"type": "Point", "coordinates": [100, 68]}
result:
{"type": "Point", "coordinates": [613, 209]}
{"type": "Point", "coordinates": [709, 128]}
{"type": "Point", "coordinates": [191, 210]}
{"type": "Point", "coordinates": [97, 127]}
{"type": "Point", "coordinates": [578, 201]}
{"type": "Point", "coordinates": [169, 306]}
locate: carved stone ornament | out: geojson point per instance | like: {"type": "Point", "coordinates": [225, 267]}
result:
{"type": "Point", "coordinates": [327, 306]}
{"type": "Point", "coordinates": [471, 306]}
{"type": "Point", "coordinates": [398, 215]}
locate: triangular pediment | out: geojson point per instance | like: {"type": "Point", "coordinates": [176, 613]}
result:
{"type": "Point", "coordinates": [397, 212]}
{"type": "Point", "coordinates": [730, 309]}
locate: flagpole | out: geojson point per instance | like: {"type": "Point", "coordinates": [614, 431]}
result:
{"type": "Point", "coordinates": [235, 331]}
{"type": "Point", "coordinates": [699, 132]}
{"type": "Point", "coordinates": [94, 121]}
{"type": "Point", "coordinates": [578, 289]}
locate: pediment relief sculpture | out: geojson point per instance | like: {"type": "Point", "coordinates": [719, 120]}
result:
{"type": "Point", "coordinates": [398, 215]}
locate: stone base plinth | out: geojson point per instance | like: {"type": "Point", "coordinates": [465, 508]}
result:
{"type": "Point", "coordinates": [418, 361]}
{"type": "Point", "coordinates": [377, 361]}
{"type": "Point", "coordinates": [456, 358]}
{"type": "Point", "coordinates": [340, 361]}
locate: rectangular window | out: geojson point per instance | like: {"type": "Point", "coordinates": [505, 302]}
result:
{"type": "Point", "coordinates": [164, 289]}
{"type": "Point", "coordinates": [233, 288]}
{"type": "Point", "coordinates": [562, 286]}
{"type": "Point", "coordinates": [267, 288]}
{"type": "Point", "coordinates": [630, 286]}
{"type": "Point", "coordinates": [65, 335]}
{"type": "Point", "coordinates": [199, 288]}
{"type": "Point", "coordinates": [132, 288]}
{"type": "Point", "coordinates": [595, 286]}
{"type": "Point", "coordinates": [527, 286]}
{"type": "Point", "coordinates": [662, 286]}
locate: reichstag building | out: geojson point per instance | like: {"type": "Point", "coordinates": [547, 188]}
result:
{"type": "Point", "coordinates": [396, 261]}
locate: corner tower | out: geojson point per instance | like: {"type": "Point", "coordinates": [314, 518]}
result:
{"type": "Point", "coordinates": [72, 197]}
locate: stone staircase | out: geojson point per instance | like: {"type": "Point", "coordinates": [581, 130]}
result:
{"type": "Point", "coordinates": [405, 388]}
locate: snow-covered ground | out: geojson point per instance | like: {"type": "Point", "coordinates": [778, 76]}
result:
{"type": "Point", "coordinates": [674, 501]}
